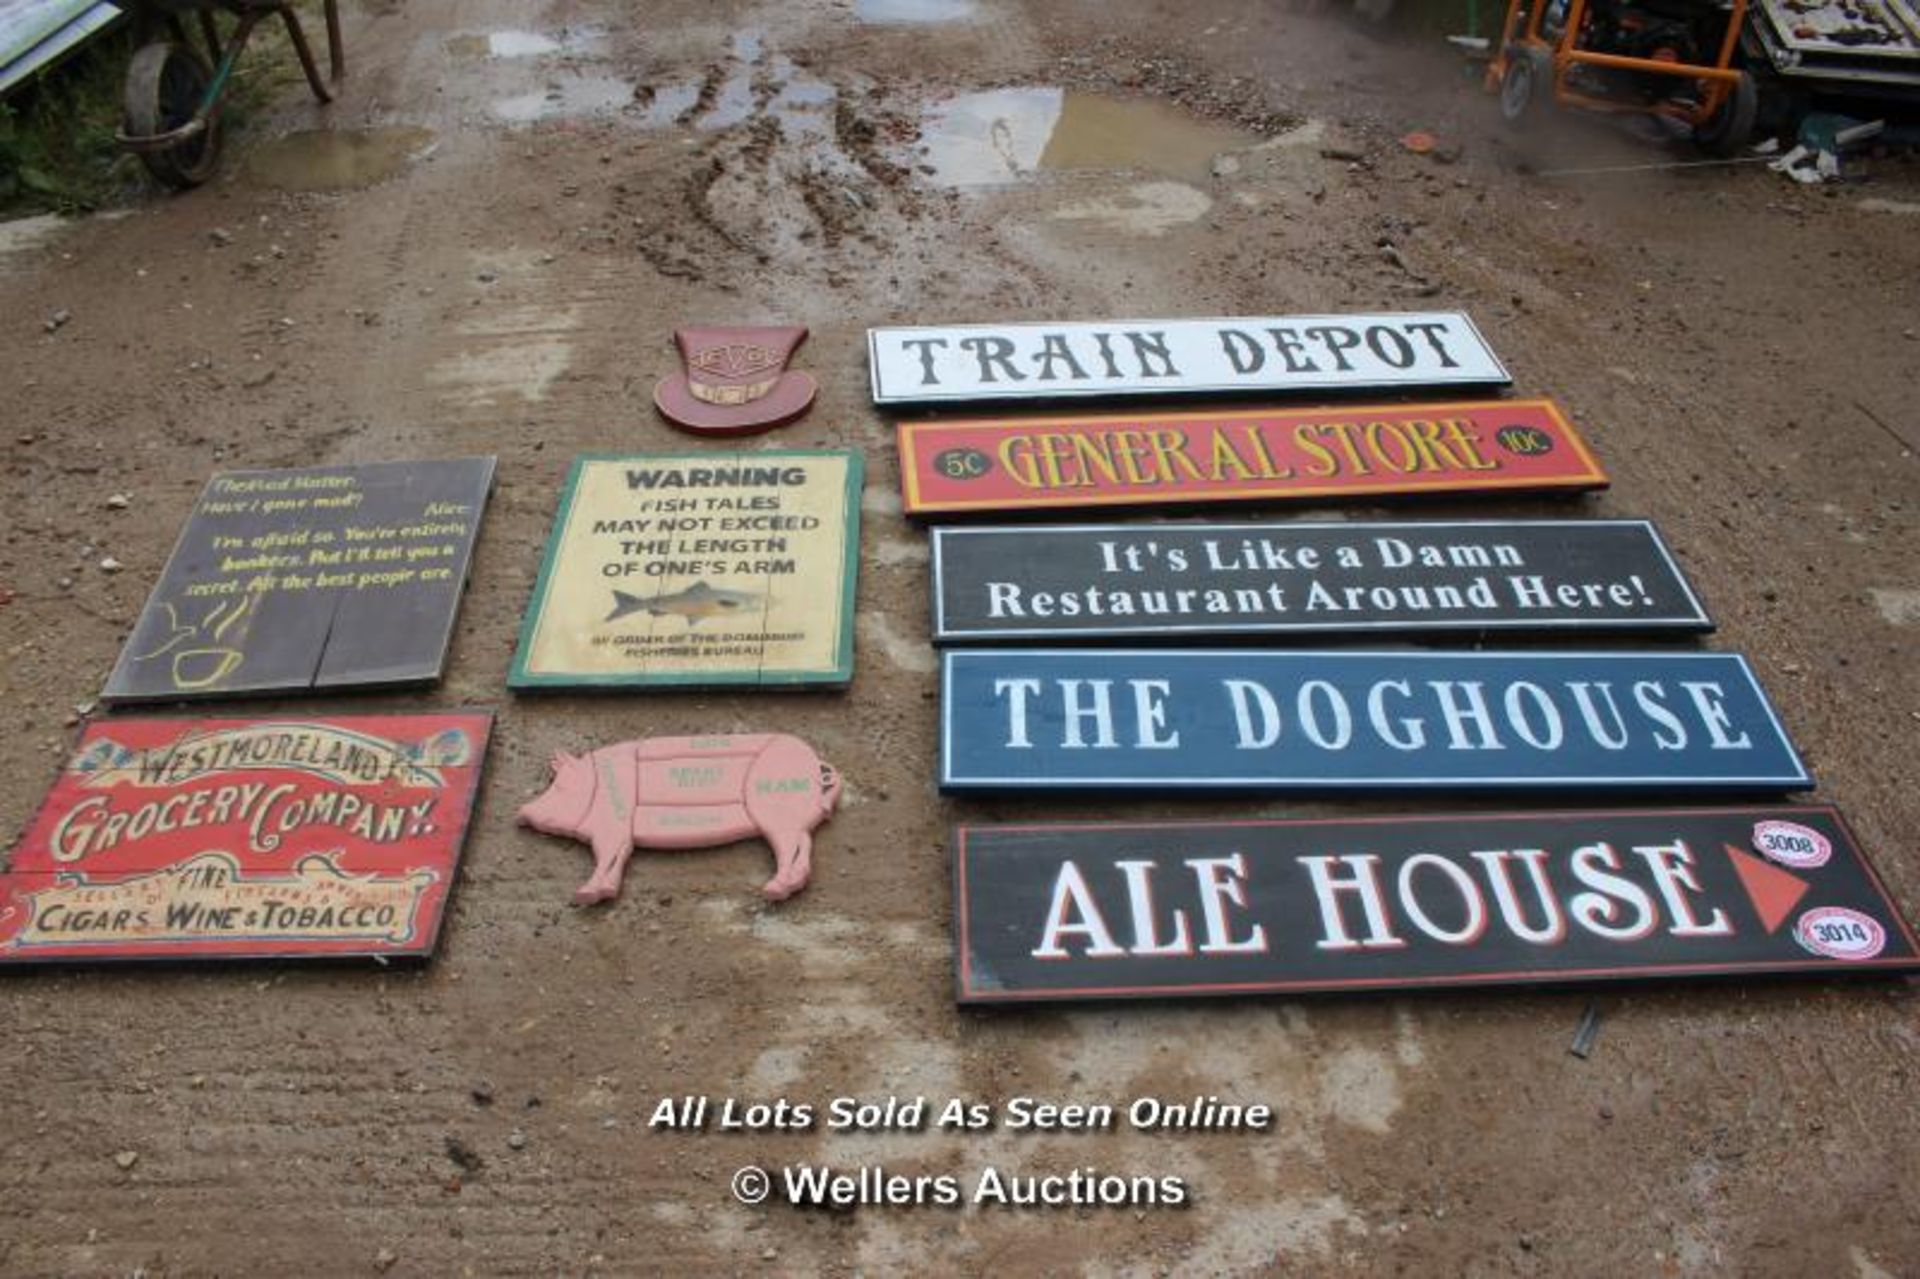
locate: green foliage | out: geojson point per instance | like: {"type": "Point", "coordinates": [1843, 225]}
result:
{"type": "Point", "coordinates": [57, 148]}
{"type": "Point", "coordinates": [57, 151]}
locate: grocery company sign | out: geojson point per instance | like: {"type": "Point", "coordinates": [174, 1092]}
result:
{"type": "Point", "coordinates": [1301, 720]}
{"type": "Point", "coordinates": [1266, 454]}
{"type": "Point", "coordinates": [1170, 581]}
{"type": "Point", "coordinates": [1228, 908]}
{"type": "Point", "coordinates": [208, 839]}
{"type": "Point", "coordinates": [1178, 357]}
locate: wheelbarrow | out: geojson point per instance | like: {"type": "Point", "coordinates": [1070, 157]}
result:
{"type": "Point", "coordinates": [174, 95]}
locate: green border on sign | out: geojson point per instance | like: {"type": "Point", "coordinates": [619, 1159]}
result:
{"type": "Point", "coordinates": [839, 675]}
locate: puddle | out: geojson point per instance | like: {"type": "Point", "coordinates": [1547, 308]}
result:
{"type": "Point", "coordinates": [1006, 135]}
{"type": "Point", "coordinates": [895, 12]}
{"type": "Point", "coordinates": [332, 160]}
{"type": "Point", "coordinates": [754, 84]}
{"type": "Point", "coordinates": [520, 44]}
{"type": "Point", "coordinates": [748, 84]}
{"type": "Point", "coordinates": [1119, 133]}
{"type": "Point", "coordinates": [566, 95]}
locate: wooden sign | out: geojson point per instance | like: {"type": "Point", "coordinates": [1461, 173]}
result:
{"type": "Point", "coordinates": [698, 569]}
{"type": "Point", "coordinates": [1176, 582]}
{"type": "Point", "coordinates": [1281, 353]}
{"type": "Point", "coordinates": [735, 380]}
{"type": "Point", "coordinates": [320, 579]}
{"type": "Point", "coordinates": [1069, 463]}
{"type": "Point", "coordinates": [1304, 720]}
{"type": "Point", "coordinates": [688, 792]}
{"type": "Point", "coordinates": [1125, 910]}
{"type": "Point", "coordinates": [294, 838]}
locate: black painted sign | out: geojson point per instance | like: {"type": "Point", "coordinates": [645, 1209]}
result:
{"type": "Point", "coordinates": [317, 579]}
{"type": "Point", "coordinates": [1122, 910]}
{"type": "Point", "coordinates": [1172, 581]}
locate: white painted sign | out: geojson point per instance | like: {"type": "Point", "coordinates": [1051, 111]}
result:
{"type": "Point", "coordinates": [1179, 357]}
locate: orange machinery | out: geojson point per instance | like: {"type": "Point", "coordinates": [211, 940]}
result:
{"type": "Point", "coordinates": [1671, 58]}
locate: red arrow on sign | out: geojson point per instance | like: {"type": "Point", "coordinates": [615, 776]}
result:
{"type": "Point", "coordinates": [1774, 892]}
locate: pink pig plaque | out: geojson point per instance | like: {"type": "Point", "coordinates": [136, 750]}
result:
{"type": "Point", "coordinates": [688, 792]}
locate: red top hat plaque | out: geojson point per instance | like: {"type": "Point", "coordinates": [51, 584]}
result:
{"type": "Point", "coordinates": [736, 381]}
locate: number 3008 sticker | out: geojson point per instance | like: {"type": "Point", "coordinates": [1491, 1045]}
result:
{"type": "Point", "coordinates": [1839, 933]}
{"type": "Point", "coordinates": [1792, 844]}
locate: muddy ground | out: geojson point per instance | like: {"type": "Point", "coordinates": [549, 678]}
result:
{"type": "Point", "coordinates": [1740, 351]}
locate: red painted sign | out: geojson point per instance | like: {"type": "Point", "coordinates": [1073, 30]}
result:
{"type": "Point", "coordinates": [1037, 463]}
{"type": "Point", "coordinates": [247, 839]}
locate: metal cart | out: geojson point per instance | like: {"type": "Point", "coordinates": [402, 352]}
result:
{"type": "Point", "coordinates": [174, 95]}
{"type": "Point", "coordinates": [1671, 58]}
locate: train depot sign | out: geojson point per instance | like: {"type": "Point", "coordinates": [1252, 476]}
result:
{"type": "Point", "coordinates": [303, 837]}
{"type": "Point", "coordinates": [1049, 912]}
{"type": "Point", "coordinates": [1273, 354]}
{"type": "Point", "coordinates": [1177, 581]}
{"type": "Point", "coordinates": [1027, 463]}
{"type": "Point", "coordinates": [1279, 720]}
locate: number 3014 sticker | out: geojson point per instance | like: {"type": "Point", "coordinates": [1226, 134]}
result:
{"type": "Point", "coordinates": [1839, 933]}
{"type": "Point", "coordinates": [1792, 844]}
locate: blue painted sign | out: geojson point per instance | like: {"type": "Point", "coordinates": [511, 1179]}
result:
{"type": "Point", "coordinates": [1089, 719]}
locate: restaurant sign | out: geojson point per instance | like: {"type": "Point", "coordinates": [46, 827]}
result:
{"type": "Point", "coordinates": [1176, 581]}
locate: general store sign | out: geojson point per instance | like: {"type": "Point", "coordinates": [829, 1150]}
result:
{"type": "Point", "coordinates": [1280, 353]}
{"type": "Point", "coordinates": [1232, 908]}
{"type": "Point", "coordinates": [1302, 720]}
{"type": "Point", "coordinates": [1174, 581]}
{"type": "Point", "coordinates": [247, 839]}
{"type": "Point", "coordinates": [1259, 454]}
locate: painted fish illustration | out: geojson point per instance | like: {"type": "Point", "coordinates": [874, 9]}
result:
{"type": "Point", "coordinates": [697, 603]}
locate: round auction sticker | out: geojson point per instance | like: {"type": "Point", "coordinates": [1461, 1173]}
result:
{"type": "Point", "coordinates": [1792, 844]}
{"type": "Point", "coordinates": [1839, 933]}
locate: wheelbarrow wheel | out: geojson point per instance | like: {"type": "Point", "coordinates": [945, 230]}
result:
{"type": "Point", "coordinates": [1732, 124]}
{"type": "Point", "coordinates": [165, 86]}
{"type": "Point", "coordinates": [1527, 84]}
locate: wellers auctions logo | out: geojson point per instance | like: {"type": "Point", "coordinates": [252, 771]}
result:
{"type": "Point", "coordinates": [333, 754]}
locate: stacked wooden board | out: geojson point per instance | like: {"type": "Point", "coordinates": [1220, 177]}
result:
{"type": "Point", "coordinates": [1198, 700]}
